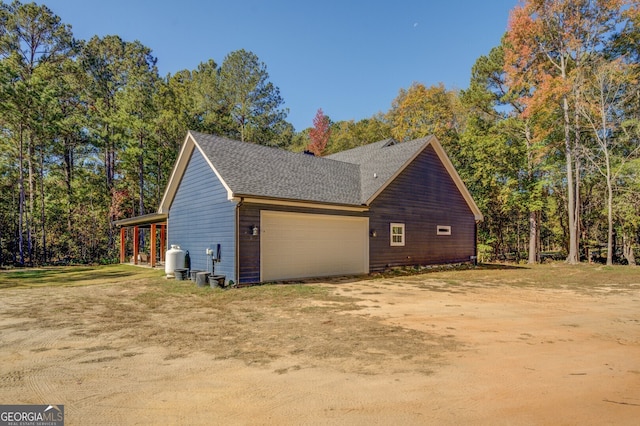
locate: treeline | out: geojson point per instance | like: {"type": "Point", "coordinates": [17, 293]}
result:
{"type": "Point", "coordinates": [545, 137]}
{"type": "Point", "coordinates": [89, 131]}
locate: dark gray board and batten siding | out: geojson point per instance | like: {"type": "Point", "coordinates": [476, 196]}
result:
{"type": "Point", "coordinates": [422, 197]}
{"type": "Point", "coordinates": [201, 216]}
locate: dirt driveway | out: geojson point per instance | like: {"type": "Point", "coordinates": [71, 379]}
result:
{"type": "Point", "coordinates": [424, 349]}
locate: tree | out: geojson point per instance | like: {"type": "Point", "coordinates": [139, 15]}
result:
{"type": "Point", "coordinates": [548, 45]}
{"type": "Point", "coordinates": [421, 111]}
{"type": "Point", "coordinates": [210, 110]}
{"type": "Point", "coordinates": [606, 93]}
{"type": "Point", "coordinates": [103, 61]}
{"type": "Point", "coordinates": [492, 154]}
{"type": "Point", "coordinates": [136, 114]}
{"type": "Point", "coordinates": [530, 129]}
{"type": "Point", "coordinates": [120, 92]}
{"type": "Point", "coordinates": [32, 39]}
{"type": "Point", "coordinates": [320, 133]}
{"type": "Point", "coordinates": [627, 207]}
{"type": "Point", "coordinates": [350, 134]}
{"type": "Point", "coordinates": [253, 102]}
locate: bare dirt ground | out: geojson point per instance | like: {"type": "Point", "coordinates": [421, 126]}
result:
{"type": "Point", "coordinates": [422, 349]}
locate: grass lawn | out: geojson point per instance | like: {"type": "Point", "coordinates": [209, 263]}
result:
{"type": "Point", "coordinates": [74, 275]}
{"type": "Point", "coordinates": [582, 277]}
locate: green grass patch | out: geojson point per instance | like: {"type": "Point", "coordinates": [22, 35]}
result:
{"type": "Point", "coordinates": [75, 275]}
{"type": "Point", "coordinates": [582, 277]}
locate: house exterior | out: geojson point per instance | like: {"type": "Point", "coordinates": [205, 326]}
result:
{"type": "Point", "coordinates": [279, 215]}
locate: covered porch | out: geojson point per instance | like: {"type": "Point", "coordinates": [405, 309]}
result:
{"type": "Point", "coordinates": [144, 238]}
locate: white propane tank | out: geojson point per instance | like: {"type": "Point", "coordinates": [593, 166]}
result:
{"type": "Point", "coordinates": [174, 260]}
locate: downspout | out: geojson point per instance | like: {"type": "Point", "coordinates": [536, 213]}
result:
{"type": "Point", "coordinates": [237, 233]}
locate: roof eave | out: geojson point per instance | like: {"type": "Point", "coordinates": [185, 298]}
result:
{"type": "Point", "coordinates": [277, 201]}
{"type": "Point", "coordinates": [146, 219]}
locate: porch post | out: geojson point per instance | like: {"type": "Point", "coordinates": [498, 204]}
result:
{"type": "Point", "coordinates": [152, 251]}
{"type": "Point", "coordinates": [136, 244]}
{"type": "Point", "coordinates": [123, 245]}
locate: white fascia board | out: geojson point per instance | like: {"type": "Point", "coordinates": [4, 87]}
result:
{"type": "Point", "coordinates": [456, 179]}
{"type": "Point", "coordinates": [176, 174]}
{"type": "Point", "coordinates": [186, 151]}
{"type": "Point", "coordinates": [218, 175]}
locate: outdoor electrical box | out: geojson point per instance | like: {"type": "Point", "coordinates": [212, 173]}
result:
{"type": "Point", "coordinates": [214, 251]}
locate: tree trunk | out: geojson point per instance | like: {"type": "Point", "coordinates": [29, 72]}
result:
{"type": "Point", "coordinates": [627, 250]}
{"type": "Point", "coordinates": [43, 222]}
{"type": "Point", "coordinates": [572, 257]}
{"type": "Point", "coordinates": [110, 174]}
{"type": "Point", "coordinates": [141, 176]}
{"type": "Point", "coordinates": [21, 200]}
{"type": "Point", "coordinates": [534, 237]}
{"type": "Point", "coordinates": [68, 177]}
{"type": "Point", "coordinates": [572, 203]}
{"type": "Point", "coordinates": [578, 166]}
{"type": "Point", "coordinates": [141, 185]}
{"type": "Point", "coordinates": [534, 216]}
{"type": "Point", "coordinates": [609, 201]}
{"type": "Point", "coordinates": [32, 192]}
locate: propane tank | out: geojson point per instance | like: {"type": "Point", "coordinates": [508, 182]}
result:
{"type": "Point", "coordinates": [174, 259]}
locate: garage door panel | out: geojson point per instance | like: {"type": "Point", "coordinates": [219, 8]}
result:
{"type": "Point", "coordinates": [297, 245]}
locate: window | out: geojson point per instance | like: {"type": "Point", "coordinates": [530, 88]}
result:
{"type": "Point", "coordinates": [443, 230]}
{"type": "Point", "coordinates": [397, 234]}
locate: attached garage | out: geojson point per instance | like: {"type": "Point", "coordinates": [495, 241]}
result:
{"type": "Point", "coordinates": [300, 245]}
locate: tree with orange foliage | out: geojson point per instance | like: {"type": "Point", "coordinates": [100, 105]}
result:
{"type": "Point", "coordinates": [319, 133]}
{"type": "Point", "coordinates": [548, 47]}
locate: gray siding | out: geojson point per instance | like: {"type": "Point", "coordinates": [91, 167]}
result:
{"type": "Point", "coordinates": [422, 197]}
{"type": "Point", "coordinates": [201, 216]}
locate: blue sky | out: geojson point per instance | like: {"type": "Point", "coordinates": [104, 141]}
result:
{"type": "Point", "coordinates": [348, 57]}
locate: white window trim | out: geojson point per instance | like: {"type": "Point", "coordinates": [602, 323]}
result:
{"type": "Point", "coordinates": [402, 235]}
{"type": "Point", "coordinates": [443, 230]}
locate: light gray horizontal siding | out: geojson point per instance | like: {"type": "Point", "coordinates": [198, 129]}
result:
{"type": "Point", "coordinates": [201, 216]}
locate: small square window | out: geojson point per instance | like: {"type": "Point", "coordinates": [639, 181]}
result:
{"type": "Point", "coordinates": [397, 234]}
{"type": "Point", "coordinates": [443, 230]}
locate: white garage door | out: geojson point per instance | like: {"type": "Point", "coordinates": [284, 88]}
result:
{"type": "Point", "coordinates": [296, 245]}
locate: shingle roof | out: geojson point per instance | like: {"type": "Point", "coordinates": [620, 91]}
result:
{"type": "Point", "coordinates": [350, 177]}
{"type": "Point", "coordinates": [353, 177]}
{"type": "Point", "coordinates": [380, 162]}
{"type": "Point", "coordinates": [255, 170]}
